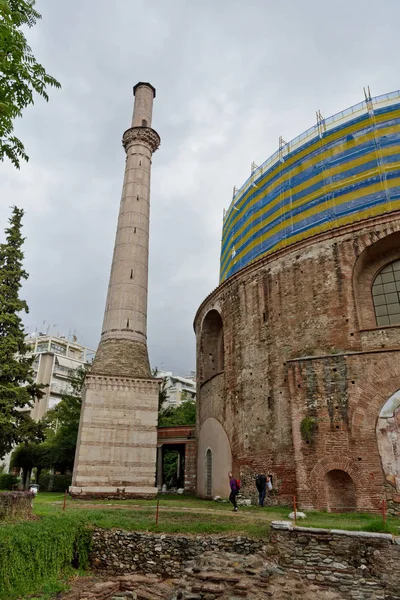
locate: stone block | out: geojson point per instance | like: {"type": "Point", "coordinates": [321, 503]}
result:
{"type": "Point", "coordinates": [298, 515]}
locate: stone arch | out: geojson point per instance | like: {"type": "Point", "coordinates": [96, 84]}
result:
{"type": "Point", "coordinates": [211, 346]}
{"type": "Point", "coordinates": [374, 257]}
{"type": "Point", "coordinates": [369, 429]}
{"type": "Point", "coordinates": [388, 438]}
{"type": "Point", "coordinates": [213, 439]}
{"type": "Point", "coordinates": [340, 491]}
{"type": "Point", "coordinates": [322, 487]}
{"type": "Point", "coordinates": [365, 413]}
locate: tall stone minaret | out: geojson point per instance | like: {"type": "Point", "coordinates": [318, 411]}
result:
{"type": "Point", "coordinates": [117, 439]}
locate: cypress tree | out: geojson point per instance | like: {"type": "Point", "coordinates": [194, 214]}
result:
{"type": "Point", "coordinates": [17, 388]}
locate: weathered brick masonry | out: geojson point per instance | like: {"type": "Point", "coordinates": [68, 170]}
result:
{"type": "Point", "coordinates": [297, 341]}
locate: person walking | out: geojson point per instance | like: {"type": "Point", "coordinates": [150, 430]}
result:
{"type": "Point", "coordinates": [261, 484]}
{"type": "Point", "coordinates": [234, 491]}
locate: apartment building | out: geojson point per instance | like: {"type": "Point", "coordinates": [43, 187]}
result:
{"type": "Point", "coordinates": [178, 388]}
{"type": "Point", "coordinates": [55, 359]}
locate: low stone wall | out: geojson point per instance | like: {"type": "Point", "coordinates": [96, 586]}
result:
{"type": "Point", "coordinates": [354, 565]}
{"type": "Point", "coordinates": [358, 564]}
{"type": "Point", "coordinates": [393, 506]}
{"type": "Point", "coordinates": [16, 505]}
{"type": "Point", "coordinates": [121, 552]}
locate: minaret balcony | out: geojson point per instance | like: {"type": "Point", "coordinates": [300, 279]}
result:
{"type": "Point", "coordinates": [141, 135]}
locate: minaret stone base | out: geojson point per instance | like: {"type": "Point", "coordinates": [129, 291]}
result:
{"type": "Point", "coordinates": [117, 439]}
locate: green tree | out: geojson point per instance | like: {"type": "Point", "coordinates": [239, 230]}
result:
{"type": "Point", "coordinates": [20, 74]}
{"type": "Point", "coordinates": [162, 392]}
{"type": "Point", "coordinates": [25, 457]}
{"type": "Point", "coordinates": [17, 388]}
{"type": "Point", "coordinates": [60, 426]}
{"type": "Point", "coordinates": [58, 450]}
{"type": "Point", "coordinates": [170, 467]}
{"type": "Point", "coordinates": [184, 414]}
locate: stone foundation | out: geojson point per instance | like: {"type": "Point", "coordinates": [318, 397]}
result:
{"type": "Point", "coordinates": [98, 493]}
{"type": "Point", "coordinates": [295, 562]}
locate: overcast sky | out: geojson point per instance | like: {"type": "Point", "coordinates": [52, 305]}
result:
{"type": "Point", "coordinates": [231, 77]}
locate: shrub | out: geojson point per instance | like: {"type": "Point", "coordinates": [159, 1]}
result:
{"type": "Point", "coordinates": [8, 481]}
{"type": "Point", "coordinates": [54, 483]}
{"type": "Point", "coordinates": [308, 429]}
{"type": "Point", "coordinates": [36, 553]}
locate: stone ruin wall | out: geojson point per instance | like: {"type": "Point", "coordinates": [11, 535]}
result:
{"type": "Point", "coordinates": [299, 340]}
{"type": "Point", "coordinates": [295, 562]}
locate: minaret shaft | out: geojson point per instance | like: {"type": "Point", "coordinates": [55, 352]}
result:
{"type": "Point", "coordinates": [126, 307]}
{"type": "Point", "coordinates": [124, 332]}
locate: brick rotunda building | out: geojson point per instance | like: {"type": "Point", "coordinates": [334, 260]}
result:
{"type": "Point", "coordinates": [298, 348]}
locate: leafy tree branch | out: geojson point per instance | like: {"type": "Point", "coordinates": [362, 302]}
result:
{"type": "Point", "coordinates": [21, 76]}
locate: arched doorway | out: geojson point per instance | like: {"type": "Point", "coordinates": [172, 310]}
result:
{"type": "Point", "coordinates": [340, 491]}
{"type": "Point", "coordinates": [209, 486]}
{"type": "Point", "coordinates": [214, 460]}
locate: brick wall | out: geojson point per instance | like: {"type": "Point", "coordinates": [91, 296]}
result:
{"type": "Point", "coordinates": [190, 468]}
{"type": "Point", "coordinates": [300, 340]}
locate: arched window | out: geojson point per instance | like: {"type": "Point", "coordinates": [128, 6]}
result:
{"type": "Point", "coordinates": [144, 123]}
{"type": "Point", "coordinates": [209, 472]}
{"type": "Point", "coordinates": [212, 345]}
{"type": "Point", "coordinates": [386, 295]}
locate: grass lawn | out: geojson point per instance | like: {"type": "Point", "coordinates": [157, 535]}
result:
{"type": "Point", "coordinates": [186, 514]}
{"type": "Point", "coordinates": [43, 549]}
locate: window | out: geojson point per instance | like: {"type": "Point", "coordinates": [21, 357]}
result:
{"type": "Point", "coordinates": [43, 347]}
{"type": "Point", "coordinates": [386, 295]}
{"type": "Point", "coordinates": [209, 472]}
{"type": "Point", "coordinates": [58, 348]}
{"type": "Point", "coordinates": [53, 401]}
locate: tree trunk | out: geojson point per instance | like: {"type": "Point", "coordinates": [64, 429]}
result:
{"type": "Point", "coordinates": [26, 478]}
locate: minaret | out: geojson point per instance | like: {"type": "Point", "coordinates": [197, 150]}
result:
{"type": "Point", "coordinates": [116, 449]}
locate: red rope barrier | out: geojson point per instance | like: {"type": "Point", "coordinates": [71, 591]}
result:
{"type": "Point", "coordinates": [384, 512]}
{"type": "Point", "coordinates": [157, 510]}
